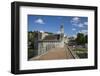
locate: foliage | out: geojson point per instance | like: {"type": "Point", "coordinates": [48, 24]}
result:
{"type": "Point", "coordinates": [82, 55]}
{"type": "Point", "coordinates": [86, 39]}
{"type": "Point", "coordinates": [81, 52]}
{"type": "Point", "coordinates": [31, 48]}
{"type": "Point", "coordinates": [80, 49]}
{"type": "Point", "coordinates": [81, 38]}
{"type": "Point", "coordinates": [31, 38]}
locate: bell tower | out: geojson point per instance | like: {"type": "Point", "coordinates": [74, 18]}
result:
{"type": "Point", "coordinates": [62, 32]}
{"type": "Point", "coordinates": [62, 29]}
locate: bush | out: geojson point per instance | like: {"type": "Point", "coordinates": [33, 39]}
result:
{"type": "Point", "coordinates": [80, 49]}
{"type": "Point", "coordinates": [32, 53]}
{"type": "Point", "coordinates": [82, 55]}
{"type": "Point", "coordinates": [81, 52]}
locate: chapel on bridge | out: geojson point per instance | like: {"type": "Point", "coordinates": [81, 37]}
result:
{"type": "Point", "coordinates": [45, 41]}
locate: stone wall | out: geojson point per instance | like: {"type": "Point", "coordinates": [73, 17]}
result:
{"type": "Point", "coordinates": [45, 46]}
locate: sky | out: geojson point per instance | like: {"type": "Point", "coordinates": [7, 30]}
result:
{"type": "Point", "coordinates": [47, 23]}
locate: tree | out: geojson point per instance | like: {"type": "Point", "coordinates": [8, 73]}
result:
{"type": "Point", "coordinates": [80, 38]}
{"type": "Point", "coordinates": [31, 39]}
{"type": "Point", "coordinates": [86, 38]}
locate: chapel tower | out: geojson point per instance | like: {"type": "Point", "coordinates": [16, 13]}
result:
{"type": "Point", "coordinates": [61, 32]}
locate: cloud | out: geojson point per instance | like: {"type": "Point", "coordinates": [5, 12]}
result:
{"type": "Point", "coordinates": [75, 20]}
{"type": "Point", "coordinates": [85, 32]}
{"type": "Point", "coordinates": [80, 25]}
{"type": "Point", "coordinates": [42, 31]}
{"type": "Point", "coordinates": [85, 23]}
{"type": "Point", "coordinates": [73, 29]}
{"type": "Point", "coordinates": [39, 21]}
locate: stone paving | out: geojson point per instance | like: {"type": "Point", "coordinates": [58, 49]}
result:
{"type": "Point", "coordinates": [55, 53]}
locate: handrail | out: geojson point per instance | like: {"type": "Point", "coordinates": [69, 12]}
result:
{"type": "Point", "coordinates": [73, 53]}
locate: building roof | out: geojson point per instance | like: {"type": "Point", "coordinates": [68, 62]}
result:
{"type": "Point", "coordinates": [52, 37]}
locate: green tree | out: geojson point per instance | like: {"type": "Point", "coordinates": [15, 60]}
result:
{"type": "Point", "coordinates": [31, 36]}
{"type": "Point", "coordinates": [86, 38]}
{"type": "Point", "coordinates": [80, 38]}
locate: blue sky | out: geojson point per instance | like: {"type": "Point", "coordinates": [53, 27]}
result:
{"type": "Point", "coordinates": [72, 24]}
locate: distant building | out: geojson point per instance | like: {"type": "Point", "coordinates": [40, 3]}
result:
{"type": "Point", "coordinates": [44, 41]}
{"type": "Point", "coordinates": [71, 40]}
{"type": "Point", "coordinates": [66, 39]}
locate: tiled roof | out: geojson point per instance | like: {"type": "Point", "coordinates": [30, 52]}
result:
{"type": "Point", "coordinates": [52, 37]}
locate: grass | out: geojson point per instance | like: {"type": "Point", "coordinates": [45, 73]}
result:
{"type": "Point", "coordinates": [80, 49]}
{"type": "Point", "coordinates": [82, 55]}
{"type": "Point", "coordinates": [81, 52]}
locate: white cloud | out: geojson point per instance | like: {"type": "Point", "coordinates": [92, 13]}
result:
{"type": "Point", "coordinates": [73, 29]}
{"type": "Point", "coordinates": [75, 20]}
{"type": "Point", "coordinates": [85, 23]}
{"type": "Point", "coordinates": [42, 31]}
{"type": "Point", "coordinates": [80, 25]}
{"type": "Point", "coordinates": [84, 31]}
{"type": "Point", "coordinates": [39, 21]}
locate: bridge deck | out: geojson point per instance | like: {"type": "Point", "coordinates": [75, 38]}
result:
{"type": "Point", "coordinates": [55, 53]}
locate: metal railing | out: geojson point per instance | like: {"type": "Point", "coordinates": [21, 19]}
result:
{"type": "Point", "coordinates": [72, 53]}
